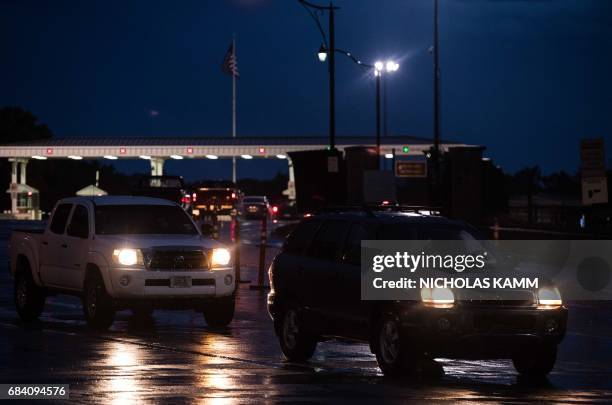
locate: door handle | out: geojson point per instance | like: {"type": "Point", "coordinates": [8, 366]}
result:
{"type": "Point", "coordinates": [64, 245]}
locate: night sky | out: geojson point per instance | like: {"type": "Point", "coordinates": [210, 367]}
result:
{"type": "Point", "coordinates": [527, 79]}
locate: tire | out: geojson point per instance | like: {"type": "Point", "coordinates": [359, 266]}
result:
{"type": "Point", "coordinates": [392, 354]}
{"type": "Point", "coordinates": [220, 313]}
{"type": "Point", "coordinates": [97, 304]}
{"type": "Point", "coordinates": [29, 298]}
{"type": "Point", "coordinates": [296, 343]}
{"type": "Point", "coordinates": [537, 362]}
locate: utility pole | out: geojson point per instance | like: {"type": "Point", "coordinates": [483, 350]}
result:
{"type": "Point", "coordinates": [436, 101]}
{"type": "Point", "coordinates": [332, 80]}
{"type": "Point", "coordinates": [378, 74]}
{"type": "Point", "coordinates": [330, 48]}
{"type": "Point", "coordinates": [234, 111]}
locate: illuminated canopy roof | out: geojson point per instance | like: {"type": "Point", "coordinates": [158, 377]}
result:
{"type": "Point", "coordinates": [199, 147]}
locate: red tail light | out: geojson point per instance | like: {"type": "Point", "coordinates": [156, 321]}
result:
{"type": "Point", "coordinates": [274, 209]}
{"type": "Point", "coordinates": [194, 197]}
{"type": "Point", "coordinates": [386, 202]}
{"type": "Point", "coordinates": [186, 199]}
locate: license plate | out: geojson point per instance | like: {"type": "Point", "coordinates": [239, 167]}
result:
{"type": "Point", "coordinates": [195, 212]}
{"type": "Point", "coordinates": [180, 282]}
{"type": "Point", "coordinates": [252, 209]}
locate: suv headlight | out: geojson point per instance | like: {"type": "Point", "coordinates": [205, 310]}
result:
{"type": "Point", "coordinates": [437, 297]}
{"type": "Point", "coordinates": [220, 257]}
{"type": "Point", "coordinates": [128, 257]}
{"type": "Point", "coordinates": [549, 297]}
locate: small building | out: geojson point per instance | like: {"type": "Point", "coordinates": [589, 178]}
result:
{"type": "Point", "coordinates": [91, 191]}
{"type": "Point", "coordinates": [27, 201]}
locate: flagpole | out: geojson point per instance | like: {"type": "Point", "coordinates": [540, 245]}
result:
{"type": "Point", "coordinates": [234, 109]}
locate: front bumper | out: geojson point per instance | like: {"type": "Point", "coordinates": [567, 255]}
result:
{"type": "Point", "coordinates": [133, 285]}
{"type": "Point", "coordinates": [481, 332]}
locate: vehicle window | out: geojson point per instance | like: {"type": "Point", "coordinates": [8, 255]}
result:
{"type": "Point", "coordinates": [60, 217]}
{"type": "Point", "coordinates": [79, 224]}
{"type": "Point", "coordinates": [301, 236]}
{"type": "Point", "coordinates": [352, 250]}
{"type": "Point", "coordinates": [143, 219]}
{"type": "Point", "coordinates": [328, 240]}
{"type": "Point", "coordinates": [400, 231]}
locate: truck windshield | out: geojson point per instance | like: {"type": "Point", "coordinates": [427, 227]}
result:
{"type": "Point", "coordinates": [143, 219]}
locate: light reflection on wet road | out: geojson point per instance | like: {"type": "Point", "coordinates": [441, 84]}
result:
{"type": "Point", "coordinates": [175, 357]}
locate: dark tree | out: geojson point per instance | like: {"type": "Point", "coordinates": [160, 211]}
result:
{"type": "Point", "coordinates": [19, 125]}
{"type": "Point", "coordinates": [562, 184]}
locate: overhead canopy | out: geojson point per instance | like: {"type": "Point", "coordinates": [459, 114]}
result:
{"type": "Point", "coordinates": [23, 188]}
{"type": "Point", "coordinates": [201, 147]}
{"type": "Point", "coordinates": [91, 191]}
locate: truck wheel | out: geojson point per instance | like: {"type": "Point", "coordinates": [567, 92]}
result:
{"type": "Point", "coordinates": [537, 362]}
{"type": "Point", "coordinates": [29, 298]}
{"type": "Point", "coordinates": [393, 356]}
{"type": "Point", "coordinates": [97, 305]}
{"type": "Point", "coordinates": [295, 342]}
{"type": "Point", "coordinates": [220, 313]}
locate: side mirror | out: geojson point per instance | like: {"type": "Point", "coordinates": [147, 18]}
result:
{"type": "Point", "coordinates": [207, 229]}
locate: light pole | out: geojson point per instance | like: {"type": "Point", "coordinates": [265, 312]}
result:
{"type": "Point", "coordinates": [381, 68]}
{"type": "Point", "coordinates": [315, 11]}
{"type": "Point", "coordinates": [436, 151]}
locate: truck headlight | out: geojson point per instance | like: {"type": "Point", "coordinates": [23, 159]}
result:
{"type": "Point", "coordinates": [549, 297]}
{"type": "Point", "coordinates": [437, 297]}
{"type": "Point", "coordinates": [128, 257]}
{"type": "Point", "coordinates": [220, 257]}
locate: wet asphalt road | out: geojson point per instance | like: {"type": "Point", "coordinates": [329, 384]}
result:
{"type": "Point", "coordinates": [175, 357]}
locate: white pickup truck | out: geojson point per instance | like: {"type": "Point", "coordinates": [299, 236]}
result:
{"type": "Point", "coordinates": [121, 252]}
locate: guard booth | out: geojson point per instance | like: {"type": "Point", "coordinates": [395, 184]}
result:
{"type": "Point", "coordinates": [28, 201]}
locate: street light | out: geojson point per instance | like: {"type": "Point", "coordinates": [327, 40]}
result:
{"type": "Point", "coordinates": [322, 54]}
{"type": "Point", "coordinates": [391, 66]}
{"type": "Point", "coordinates": [315, 11]}
{"type": "Point", "coordinates": [380, 67]}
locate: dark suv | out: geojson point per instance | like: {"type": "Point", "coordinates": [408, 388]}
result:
{"type": "Point", "coordinates": [316, 294]}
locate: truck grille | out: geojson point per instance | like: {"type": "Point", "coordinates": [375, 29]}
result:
{"type": "Point", "coordinates": [510, 298]}
{"type": "Point", "coordinates": [176, 259]}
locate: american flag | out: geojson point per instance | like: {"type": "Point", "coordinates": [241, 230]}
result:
{"type": "Point", "coordinates": [230, 65]}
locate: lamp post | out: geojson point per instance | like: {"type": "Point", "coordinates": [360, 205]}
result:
{"type": "Point", "coordinates": [436, 146]}
{"type": "Point", "coordinates": [328, 50]}
{"type": "Point", "coordinates": [315, 10]}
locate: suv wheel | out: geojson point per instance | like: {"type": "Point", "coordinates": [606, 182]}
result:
{"type": "Point", "coordinates": [29, 298]}
{"type": "Point", "coordinates": [537, 362]}
{"type": "Point", "coordinates": [97, 304]}
{"type": "Point", "coordinates": [296, 343]}
{"type": "Point", "coordinates": [392, 354]}
{"type": "Point", "coordinates": [220, 313]}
